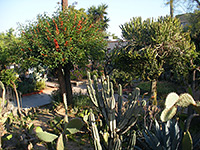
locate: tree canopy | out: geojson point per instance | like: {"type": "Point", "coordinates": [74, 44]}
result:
{"type": "Point", "coordinates": [67, 38]}
{"type": "Point", "coordinates": [8, 49]}
{"type": "Point", "coordinates": [154, 45]}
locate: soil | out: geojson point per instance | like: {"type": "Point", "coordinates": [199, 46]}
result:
{"type": "Point", "coordinates": [41, 117]}
{"type": "Point", "coordinates": [45, 115]}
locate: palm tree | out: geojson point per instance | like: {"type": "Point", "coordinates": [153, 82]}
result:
{"type": "Point", "coordinates": [98, 14]}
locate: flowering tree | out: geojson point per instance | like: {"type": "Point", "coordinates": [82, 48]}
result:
{"type": "Point", "coordinates": [66, 39]}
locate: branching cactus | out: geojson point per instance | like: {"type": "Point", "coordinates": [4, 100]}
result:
{"type": "Point", "coordinates": [115, 121]}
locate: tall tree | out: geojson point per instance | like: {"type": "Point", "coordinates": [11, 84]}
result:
{"type": "Point", "coordinates": [61, 41]}
{"type": "Point", "coordinates": [153, 44]}
{"type": "Point", "coordinates": [98, 14]}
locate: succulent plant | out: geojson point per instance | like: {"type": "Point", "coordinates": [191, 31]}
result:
{"type": "Point", "coordinates": [173, 101]}
{"type": "Point", "coordinates": [166, 136]}
{"type": "Point", "coordinates": [117, 122]}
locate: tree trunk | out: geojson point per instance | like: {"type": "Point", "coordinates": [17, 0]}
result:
{"type": "Point", "coordinates": [64, 4]}
{"type": "Point", "coordinates": [61, 80]}
{"type": "Point", "coordinates": [154, 91]}
{"type": "Point", "coordinates": [171, 8]}
{"type": "Point", "coordinates": [67, 69]}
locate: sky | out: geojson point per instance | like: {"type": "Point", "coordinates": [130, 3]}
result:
{"type": "Point", "coordinates": [13, 12]}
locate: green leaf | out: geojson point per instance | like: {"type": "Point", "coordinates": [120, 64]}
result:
{"type": "Point", "coordinates": [74, 125]}
{"type": "Point", "coordinates": [38, 129]}
{"type": "Point", "coordinates": [187, 143]}
{"type": "Point", "coordinates": [45, 136]}
{"type": "Point", "coordinates": [9, 137]}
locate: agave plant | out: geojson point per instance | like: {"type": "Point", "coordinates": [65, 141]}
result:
{"type": "Point", "coordinates": [166, 136]}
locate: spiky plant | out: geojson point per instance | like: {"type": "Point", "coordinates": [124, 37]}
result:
{"type": "Point", "coordinates": [165, 136]}
{"type": "Point", "coordinates": [117, 120]}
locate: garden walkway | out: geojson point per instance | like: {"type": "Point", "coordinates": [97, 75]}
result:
{"type": "Point", "coordinates": [43, 98]}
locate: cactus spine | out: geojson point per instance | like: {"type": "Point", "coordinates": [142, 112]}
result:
{"type": "Point", "coordinates": [103, 98]}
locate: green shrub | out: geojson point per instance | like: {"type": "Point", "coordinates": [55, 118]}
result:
{"type": "Point", "coordinates": [121, 77]}
{"type": "Point", "coordinates": [81, 100]}
{"type": "Point", "coordinates": [163, 88]}
{"type": "Point", "coordinates": [56, 96]}
{"type": "Point", "coordinates": [40, 85]}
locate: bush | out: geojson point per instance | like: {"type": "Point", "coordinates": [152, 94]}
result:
{"type": "Point", "coordinates": [40, 85]}
{"type": "Point", "coordinates": [28, 85]}
{"type": "Point", "coordinates": [163, 88]}
{"type": "Point", "coordinates": [121, 77]}
{"type": "Point", "coordinates": [81, 100]}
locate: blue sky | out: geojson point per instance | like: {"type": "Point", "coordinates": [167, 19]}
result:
{"type": "Point", "coordinates": [119, 12]}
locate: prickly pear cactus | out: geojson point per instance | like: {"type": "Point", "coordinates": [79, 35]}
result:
{"type": "Point", "coordinates": [173, 101]}
{"type": "Point", "coordinates": [118, 123]}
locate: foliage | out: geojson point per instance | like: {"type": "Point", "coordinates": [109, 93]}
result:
{"type": "Point", "coordinates": [114, 128]}
{"type": "Point", "coordinates": [8, 49]}
{"type": "Point", "coordinates": [59, 42]}
{"type": "Point", "coordinates": [165, 136]}
{"type": "Point", "coordinates": [164, 88]}
{"type": "Point", "coordinates": [7, 76]}
{"type": "Point", "coordinates": [32, 82]}
{"type": "Point", "coordinates": [66, 37]}
{"type": "Point", "coordinates": [121, 77]}
{"type": "Point", "coordinates": [98, 14]}
{"type": "Point", "coordinates": [194, 21]}
{"type": "Point", "coordinates": [153, 44]}
{"type": "Point", "coordinates": [81, 100]}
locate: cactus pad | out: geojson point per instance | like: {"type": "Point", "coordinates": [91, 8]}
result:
{"type": "Point", "coordinates": [185, 100]}
{"type": "Point", "coordinates": [45, 136]}
{"type": "Point", "coordinates": [168, 113]}
{"type": "Point", "coordinates": [171, 99]}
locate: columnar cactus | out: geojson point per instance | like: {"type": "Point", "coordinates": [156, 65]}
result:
{"type": "Point", "coordinates": [3, 94]}
{"type": "Point", "coordinates": [118, 123]}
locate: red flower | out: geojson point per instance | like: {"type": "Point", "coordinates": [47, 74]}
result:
{"type": "Point", "coordinates": [48, 23]}
{"type": "Point", "coordinates": [57, 31]}
{"type": "Point", "coordinates": [61, 23]}
{"type": "Point", "coordinates": [66, 43]}
{"type": "Point", "coordinates": [47, 30]}
{"type": "Point", "coordinates": [56, 44]}
{"type": "Point", "coordinates": [80, 28]}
